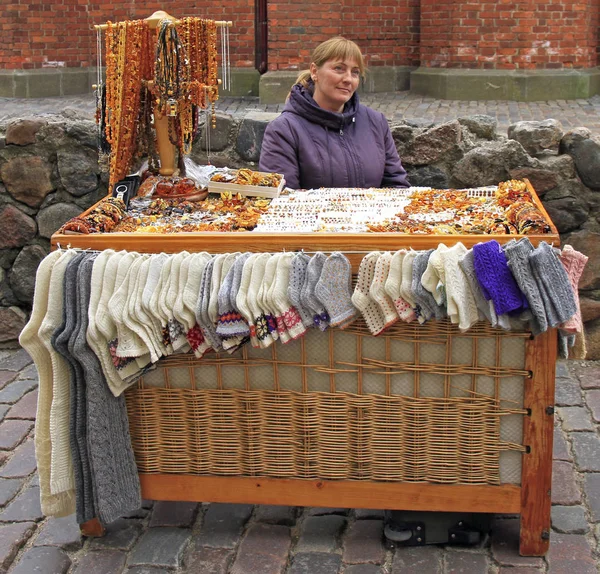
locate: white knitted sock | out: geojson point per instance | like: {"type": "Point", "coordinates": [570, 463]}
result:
{"type": "Point", "coordinates": [260, 321]}
{"type": "Point", "coordinates": [361, 298]}
{"type": "Point", "coordinates": [433, 278]}
{"type": "Point", "coordinates": [377, 289]}
{"type": "Point", "coordinates": [393, 284]}
{"type": "Point", "coordinates": [297, 277]}
{"type": "Point", "coordinates": [191, 295]}
{"type": "Point", "coordinates": [264, 300]}
{"type": "Point", "coordinates": [241, 299]}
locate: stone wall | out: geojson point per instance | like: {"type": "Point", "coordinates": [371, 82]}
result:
{"type": "Point", "coordinates": [49, 173]}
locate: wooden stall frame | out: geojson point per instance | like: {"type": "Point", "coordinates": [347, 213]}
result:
{"type": "Point", "coordinates": [531, 500]}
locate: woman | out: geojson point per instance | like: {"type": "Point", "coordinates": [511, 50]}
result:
{"type": "Point", "coordinates": [324, 137]}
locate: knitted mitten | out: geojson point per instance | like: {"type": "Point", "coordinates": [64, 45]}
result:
{"type": "Point", "coordinates": [517, 254]}
{"type": "Point", "coordinates": [286, 313]}
{"type": "Point", "coordinates": [241, 298]}
{"type": "Point", "coordinates": [307, 293]}
{"type": "Point", "coordinates": [361, 298]}
{"type": "Point", "coordinates": [334, 290]}
{"type": "Point", "coordinates": [297, 277]}
{"type": "Point", "coordinates": [377, 289]}
{"type": "Point", "coordinates": [392, 287]}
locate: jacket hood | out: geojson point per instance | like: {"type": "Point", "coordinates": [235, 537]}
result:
{"type": "Point", "coordinates": [302, 103]}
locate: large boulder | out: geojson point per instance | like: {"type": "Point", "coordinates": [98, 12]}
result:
{"type": "Point", "coordinates": [433, 144]}
{"type": "Point", "coordinates": [12, 320]}
{"type": "Point", "coordinates": [16, 228]}
{"type": "Point", "coordinates": [51, 218]}
{"type": "Point", "coordinates": [428, 176]}
{"type": "Point", "coordinates": [592, 333]}
{"type": "Point", "coordinates": [567, 188]}
{"type": "Point", "coordinates": [22, 274]}
{"type": "Point", "coordinates": [588, 242]}
{"type": "Point", "coordinates": [537, 138]}
{"type": "Point", "coordinates": [480, 125]}
{"type": "Point", "coordinates": [251, 133]}
{"type": "Point", "coordinates": [218, 138]}
{"type": "Point", "coordinates": [78, 169]}
{"type": "Point", "coordinates": [586, 155]}
{"type": "Point", "coordinates": [590, 308]}
{"type": "Point", "coordinates": [567, 214]}
{"type": "Point", "coordinates": [542, 180]}
{"type": "Point", "coordinates": [23, 131]}
{"type": "Point", "coordinates": [28, 179]}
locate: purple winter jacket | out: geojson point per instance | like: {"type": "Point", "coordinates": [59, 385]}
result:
{"type": "Point", "coordinates": [313, 147]}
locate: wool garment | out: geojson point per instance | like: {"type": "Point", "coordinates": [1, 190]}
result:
{"type": "Point", "coordinates": [393, 284]}
{"type": "Point", "coordinates": [361, 297]}
{"type": "Point", "coordinates": [179, 310]}
{"type": "Point", "coordinates": [191, 296]}
{"type": "Point", "coordinates": [460, 302]}
{"type": "Point", "coordinates": [286, 312]}
{"type": "Point", "coordinates": [231, 323]}
{"type": "Point", "coordinates": [297, 276]}
{"type": "Point", "coordinates": [485, 306]}
{"type": "Point", "coordinates": [406, 285]}
{"type": "Point", "coordinates": [425, 300]}
{"type": "Point", "coordinates": [307, 293]}
{"type": "Point", "coordinates": [268, 299]}
{"type": "Point", "coordinates": [153, 280]}
{"type": "Point", "coordinates": [241, 298]}
{"type": "Point", "coordinates": [433, 278]}
{"type": "Point", "coordinates": [377, 289]}
{"type": "Point", "coordinates": [73, 409]}
{"type": "Point", "coordinates": [574, 263]}
{"type": "Point", "coordinates": [517, 255]}
{"type": "Point", "coordinates": [238, 268]}
{"type": "Point", "coordinates": [167, 304]}
{"type": "Point", "coordinates": [554, 284]}
{"type": "Point", "coordinates": [206, 325]}
{"type": "Point", "coordinates": [334, 290]}
{"type": "Point", "coordinates": [157, 308]}
{"type": "Point", "coordinates": [496, 279]}
{"type": "Point", "coordinates": [215, 284]}
{"type": "Point", "coordinates": [231, 342]}
{"type": "Point", "coordinates": [263, 336]}
{"type": "Point", "coordinates": [112, 464]}
{"type": "Point", "coordinates": [61, 504]}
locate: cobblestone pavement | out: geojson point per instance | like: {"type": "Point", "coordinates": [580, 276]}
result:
{"type": "Point", "coordinates": [395, 105]}
{"type": "Point", "coordinates": [183, 537]}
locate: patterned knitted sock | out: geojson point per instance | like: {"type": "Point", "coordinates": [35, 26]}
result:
{"type": "Point", "coordinates": [208, 329]}
{"type": "Point", "coordinates": [241, 299]}
{"type": "Point", "coordinates": [361, 298]}
{"type": "Point", "coordinates": [230, 323]}
{"type": "Point", "coordinates": [191, 296]}
{"type": "Point", "coordinates": [377, 289]}
{"type": "Point", "coordinates": [393, 284]}
{"type": "Point", "coordinates": [308, 298]}
{"type": "Point", "coordinates": [485, 307]}
{"type": "Point", "coordinates": [297, 277]}
{"type": "Point", "coordinates": [266, 296]}
{"type": "Point", "coordinates": [517, 254]}
{"type": "Point", "coordinates": [574, 262]}
{"type": "Point", "coordinates": [241, 326]}
{"type": "Point", "coordinates": [334, 290]}
{"type": "Point", "coordinates": [263, 335]}
{"type": "Point", "coordinates": [286, 313]}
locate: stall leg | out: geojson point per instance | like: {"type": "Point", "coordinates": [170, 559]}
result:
{"type": "Point", "coordinates": [92, 528]}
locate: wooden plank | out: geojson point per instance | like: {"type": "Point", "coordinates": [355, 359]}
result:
{"type": "Point", "coordinates": [538, 432]}
{"type": "Point", "coordinates": [329, 493]}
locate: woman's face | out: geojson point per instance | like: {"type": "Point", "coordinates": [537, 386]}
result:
{"type": "Point", "coordinates": [335, 82]}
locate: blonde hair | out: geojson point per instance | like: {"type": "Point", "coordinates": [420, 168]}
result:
{"type": "Point", "coordinates": [337, 48]}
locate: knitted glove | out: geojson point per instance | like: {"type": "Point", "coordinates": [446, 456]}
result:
{"type": "Point", "coordinates": [297, 277]}
{"type": "Point", "coordinates": [334, 290]}
{"type": "Point", "coordinates": [393, 284]}
{"type": "Point", "coordinates": [377, 289]}
{"type": "Point", "coordinates": [241, 299]}
{"type": "Point", "coordinates": [361, 298]}
{"type": "Point", "coordinates": [286, 313]}
{"type": "Point", "coordinates": [307, 293]}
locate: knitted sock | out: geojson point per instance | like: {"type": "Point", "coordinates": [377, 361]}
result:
{"type": "Point", "coordinates": [334, 290]}
{"type": "Point", "coordinates": [176, 329]}
{"type": "Point", "coordinates": [423, 298]}
{"type": "Point", "coordinates": [574, 262]}
{"type": "Point", "coordinates": [113, 471]}
{"type": "Point", "coordinates": [265, 301]}
{"type": "Point", "coordinates": [191, 295]}
{"type": "Point", "coordinates": [61, 504]}
{"type": "Point", "coordinates": [158, 303]}
{"type": "Point", "coordinates": [286, 313]}
{"type": "Point", "coordinates": [517, 254]}
{"type": "Point", "coordinates": [297, 277]}
{"type": "Point", "coordinates": [206, 325]}
{"type": "Point", "coordinates": [215, 285]}
{"type": "Point", "coordinates": [553, 282]}
{"type": "Point", "coordinates": [434, 276]}
{"type": "Point", "coordinates": [241, 299]}
{"type": "Point", "coordinates": [307, 294]}
{"type": "Point", "coordinates": [377, 289]}
{"type": "Point", "coordinates": [230, 323]}
{"type": "Point", "coordinates": [485, 307]}
{"type": "Point", "coordinates": [181, 314]}
{"type": "Point", "coordinates": [406, 291]}
{"type": "Point", "coordinates": [361, 298]}
{"type": "Point", "coordinates": [149, 302]}
{"type": "Point", "coordinates": [238, 268]}
{"type": "Point", "coordinates": [263, 336]}
{"type": "Point", "coordinates": [392, 287]}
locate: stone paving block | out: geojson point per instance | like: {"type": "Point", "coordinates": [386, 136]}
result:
{"type": "Point", "coordinates": [12, 432]}
{"type": "Point", "coordinates": [568, 393]}
{"type": "Point", "coordinates": [100, 562]}
{"type": "Point", "coordinates": [564, 485]}
{"type": "Point", "coordinates": [35, 481]}
{"type": "Point", "coordinates": [586, 447]}
{"type": "Point", "coordinates": [417, 559]}
{"type": "Point", "coordinates": [526, 570]}
{"type": "Point", "coordinates": [120, 535]}
{"type": "Point", "coordinates": [12, 538]}
{"type": "Point", "coordinates": [205, 560]}
{"type": "Point", "coordinates": [466, 563]}
{"type": "Point", "coordinates": [15, 361]}
{"type": "Point", "coordinates": [25, 408]}
{"type": "Point", "coordinates": [575, 419]}
{"type": "Point", "coordinates": [160, 547]}
{"type": "Point", "coordinates": [264, 549]}
{"type": "Point", "coordinates": [44, 559]}
{"type": "Point", "coordinates": [592, 398]}
{"type": "Point", "coordinates": [363, 569]}
{"type": "Point", "coordinates": [562, 370]}
{"type": "Point", "coordinates": [147, 506]}
{"type": "Point", "coordinates": [318, 511]}
{"type": "Point", "coordinates": [29, 372]}
{"type": "Point", "coordinates": [363, 543]}
{"type": "Point", "coordinates": [24, 508]}
{"type": "Point", "coordinates": [8, 488]}
{"type": "Point", "coordinates": [569, 519]}
{"type": "Point", "coordinates": [560, 450]}
{"type": "Point", "coordinates": [6, 377]}
{"type": "Point", "coordinates": [171, 513]}
{"type": "Point", "coordinates": [592, 493]}
{"type": "Point", "coordinates": [223, 524]}
{"type": "Point", "coordinates": [364, 513]}
{"type": "Point", "coordinates": [570, 553]}
{"type": "Point", "coordinates": [589, 378]}
{"type": "Point", "coordinates": [505, 545]}
{"type": "Point", "coordinates": [321, 533]}
{"type": "Point", "coordinates": [3, 456]}
{"type": "Point", "coordinates": [22, 462]}
{"type": "Point", "coordinates": [63, 532]}
{"type": "Point", "coordinates": [148, 570]}
{"type": "Point", "coordinates": [12, 392]}
{"type": "Point", "coordinates": [313, 562]}
{"type": "Point", "coordinates": [3, 410]}
{"type": "Point", "coordinates": [269, 514]}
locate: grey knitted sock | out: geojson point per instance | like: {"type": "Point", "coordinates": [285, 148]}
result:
{"type": "Point", "coordinates": [208, 329]}
{"type": "Point", "coordinates": [296, 281]}
{"type": "Point", "coordinates": [231, 323]}
{"type": "Point", "coordinates": [425, 300]}
{"type": "Point", "coordinates": [307, 294]}
{"type": "Point", "coordinates": [555, 286]}
{"type": "Point", "coordinates": [486, 307]}
{"type": "Point", "coordinates": [112, 463]}
{"type": "Point", "coordinates": [84, 495]}
{"type": "Point", "coordinates": [517, 255]}
{"type": "Point", "coordinates": [334, 289]}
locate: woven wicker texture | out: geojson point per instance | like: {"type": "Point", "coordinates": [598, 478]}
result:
{"type": "Point", "coordinates": [422, 403]}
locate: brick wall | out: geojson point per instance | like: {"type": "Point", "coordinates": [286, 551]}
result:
{"type": "Point", "coordinates": [509, 34]}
